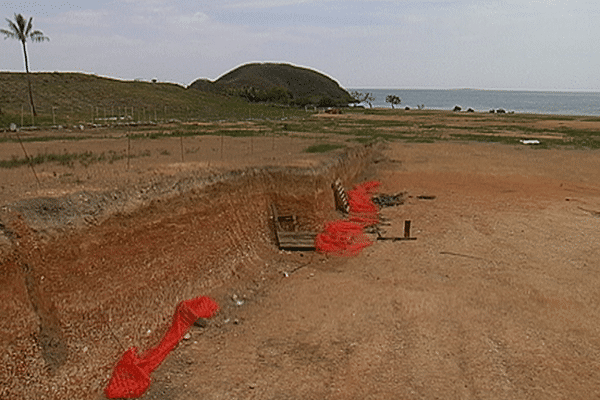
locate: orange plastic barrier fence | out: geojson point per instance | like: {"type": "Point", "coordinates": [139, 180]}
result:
{"type": "Point", "coordinates": [346, 238]}
{"type": "Point", "coordinates": [131, 376]}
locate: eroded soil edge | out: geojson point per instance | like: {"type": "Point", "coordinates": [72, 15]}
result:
{"type": "Point", "coordinates": [90, 274]}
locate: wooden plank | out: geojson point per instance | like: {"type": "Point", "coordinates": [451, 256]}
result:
{"type": "Point", "coordinates": [296, 245]}
{"type": "Point", "coordinates": [287, 245]}
{"type": "Point", "coordinates": [284, 234]}
{"type": "Point", "coordinates": [275, 218]}
{"type": "Point", "coordinates": [290, 238]}
{"type": "Point", "coordinates": [340, 196]}
{"type": "Point", "coordinates": [297, 240]}
{"type": "Point", "coordinates": [286, 240]}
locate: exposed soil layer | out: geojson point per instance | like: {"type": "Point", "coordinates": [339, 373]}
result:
{"type": "Point", "coordinates": [497, 298]}
{"type": "Point", "coordinates": [76, 300]}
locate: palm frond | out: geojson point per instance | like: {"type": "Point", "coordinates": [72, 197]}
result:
{"type": "Point", "coordinates": [12, 26]}
{"type": "Point", "coordinates": [21, 22]}
{"type": "Point", "coordinates": [17, 32]}
{"type": "Point", "coordinates": [29, 27]}
{"type": "Point", "coordinates": [8, 34]}
{"type": "Point", "coordinates": [38, 36]}
{"type": "Point", "coordinates": [21, 29]}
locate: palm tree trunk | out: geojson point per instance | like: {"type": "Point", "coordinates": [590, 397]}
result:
{"type": "Point", "coordinates": [29, 81]}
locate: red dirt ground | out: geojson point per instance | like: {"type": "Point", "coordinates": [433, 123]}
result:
{"type": "Point", "coordinates": [497, 298]}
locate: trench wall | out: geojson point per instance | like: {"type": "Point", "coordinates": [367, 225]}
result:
{"type": "Point", "coordinates": [74, 302]}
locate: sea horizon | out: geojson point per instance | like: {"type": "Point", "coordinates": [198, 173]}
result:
{"type": "Point", "coordinates": [572, 103]}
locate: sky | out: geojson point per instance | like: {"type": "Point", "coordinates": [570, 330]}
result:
{"type": "Point", "coordinates": [437, 44]}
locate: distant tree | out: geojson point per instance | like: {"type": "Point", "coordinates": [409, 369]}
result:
{"type": "Point", "coordinates": [369, 99]}
{"type": "Point", "coordinates": [249, 93]}
{"type": "Point", "coordinates": [326, 101]}
{"type": "Point", "coordinates": [279, 95]}
{"type": "Point", "coordinates": [360, 97]}
{"type": "Point", "coordinates": [22, 30]}
{"type": "Point", "coordinates": [393, 100]}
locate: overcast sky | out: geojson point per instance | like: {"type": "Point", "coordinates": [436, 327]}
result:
{"type": "Point", "coordinates": [539, 45]}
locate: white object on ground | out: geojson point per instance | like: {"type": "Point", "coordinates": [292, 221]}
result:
{"type": "Point", "coordinates": [533, 141]}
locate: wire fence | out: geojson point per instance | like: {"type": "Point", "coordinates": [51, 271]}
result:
{"type": "Point", "coordinates": [61, 117]}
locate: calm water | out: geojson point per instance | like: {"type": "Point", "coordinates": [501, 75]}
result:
{"type": "Point", "coordinates": [563, 103]}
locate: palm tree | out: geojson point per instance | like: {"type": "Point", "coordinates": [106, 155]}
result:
{"type": "Point", "coordinates": [22, 30]}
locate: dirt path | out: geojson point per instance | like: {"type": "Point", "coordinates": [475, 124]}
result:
{"type": "Point", "coordinates": [496, 299]}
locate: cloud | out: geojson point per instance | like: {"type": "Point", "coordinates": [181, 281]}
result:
{"type": "Point", "coordinates": [83, 18]}
{"type": "Point", "coordinates": [360, 42]}
{"type": "Point", "coordinates": [263, 3]}
{"type": "Point", "coordinates": [285, 3]}
{"type": "Point", "coordinates": [37, 9]}
{"type": "Point", "coordinates": [193, 21]}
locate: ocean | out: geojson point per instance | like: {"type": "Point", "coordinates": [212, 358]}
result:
{"type": "Point", "coordinates": [557, 103]}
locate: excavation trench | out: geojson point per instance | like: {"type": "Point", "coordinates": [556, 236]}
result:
{"type": "Point", "coordinates": [76, 300]}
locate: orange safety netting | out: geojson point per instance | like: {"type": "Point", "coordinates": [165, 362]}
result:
{"type": "Point", "coordinates": [342, 238]}
{"type": "Point", "coordinates": [131, 376]}
{"type": "Point", "coordinates": [346, 238]}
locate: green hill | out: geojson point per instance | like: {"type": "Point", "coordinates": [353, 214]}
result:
{"type": "Point", "coordinates": [71, 98]}
{"type": "Point", "coordinates": [281, 83]}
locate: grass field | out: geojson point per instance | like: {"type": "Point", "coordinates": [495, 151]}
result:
{"type": "Point", "coordinates": [69, 99]}
{"type": "Point", "coordinates": [69, 104]}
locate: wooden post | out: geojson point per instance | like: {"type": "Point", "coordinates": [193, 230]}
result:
{"type": "Point", "coordinates": [181, 143]}
{"type": "Point", "coordinates": [407, 229]}
{"type": "Point", "coordinates": [155, 119]}
{"type": "Point", "coordinates": [53, 116]}
{"type": "Point", "coordinates": [28, 159]}
{"type": "Point", "coordinates": [221, 146]}
{"type": "Point", "coordinates": [92, 115]}
{"type": "Point", "coordinates": [32, 117]}
{"type": "Point", "coordinates": [128, 148]}
{"type": "Point", "coordinates": [22, 115]}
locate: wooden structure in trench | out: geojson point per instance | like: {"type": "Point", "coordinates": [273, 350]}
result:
{"type": "Point", "coordinates": [305, 240]}
{"type": "Point", "coordinates": [294, 239]}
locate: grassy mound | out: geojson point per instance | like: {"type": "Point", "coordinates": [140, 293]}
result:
{"type": "Point", "coordinates": [75, 98]}
{"type": "Point", "coordinates": [282, 83]}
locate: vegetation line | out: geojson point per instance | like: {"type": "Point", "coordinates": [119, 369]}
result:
{"type": "Point", "coordinates": [68, 159]}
